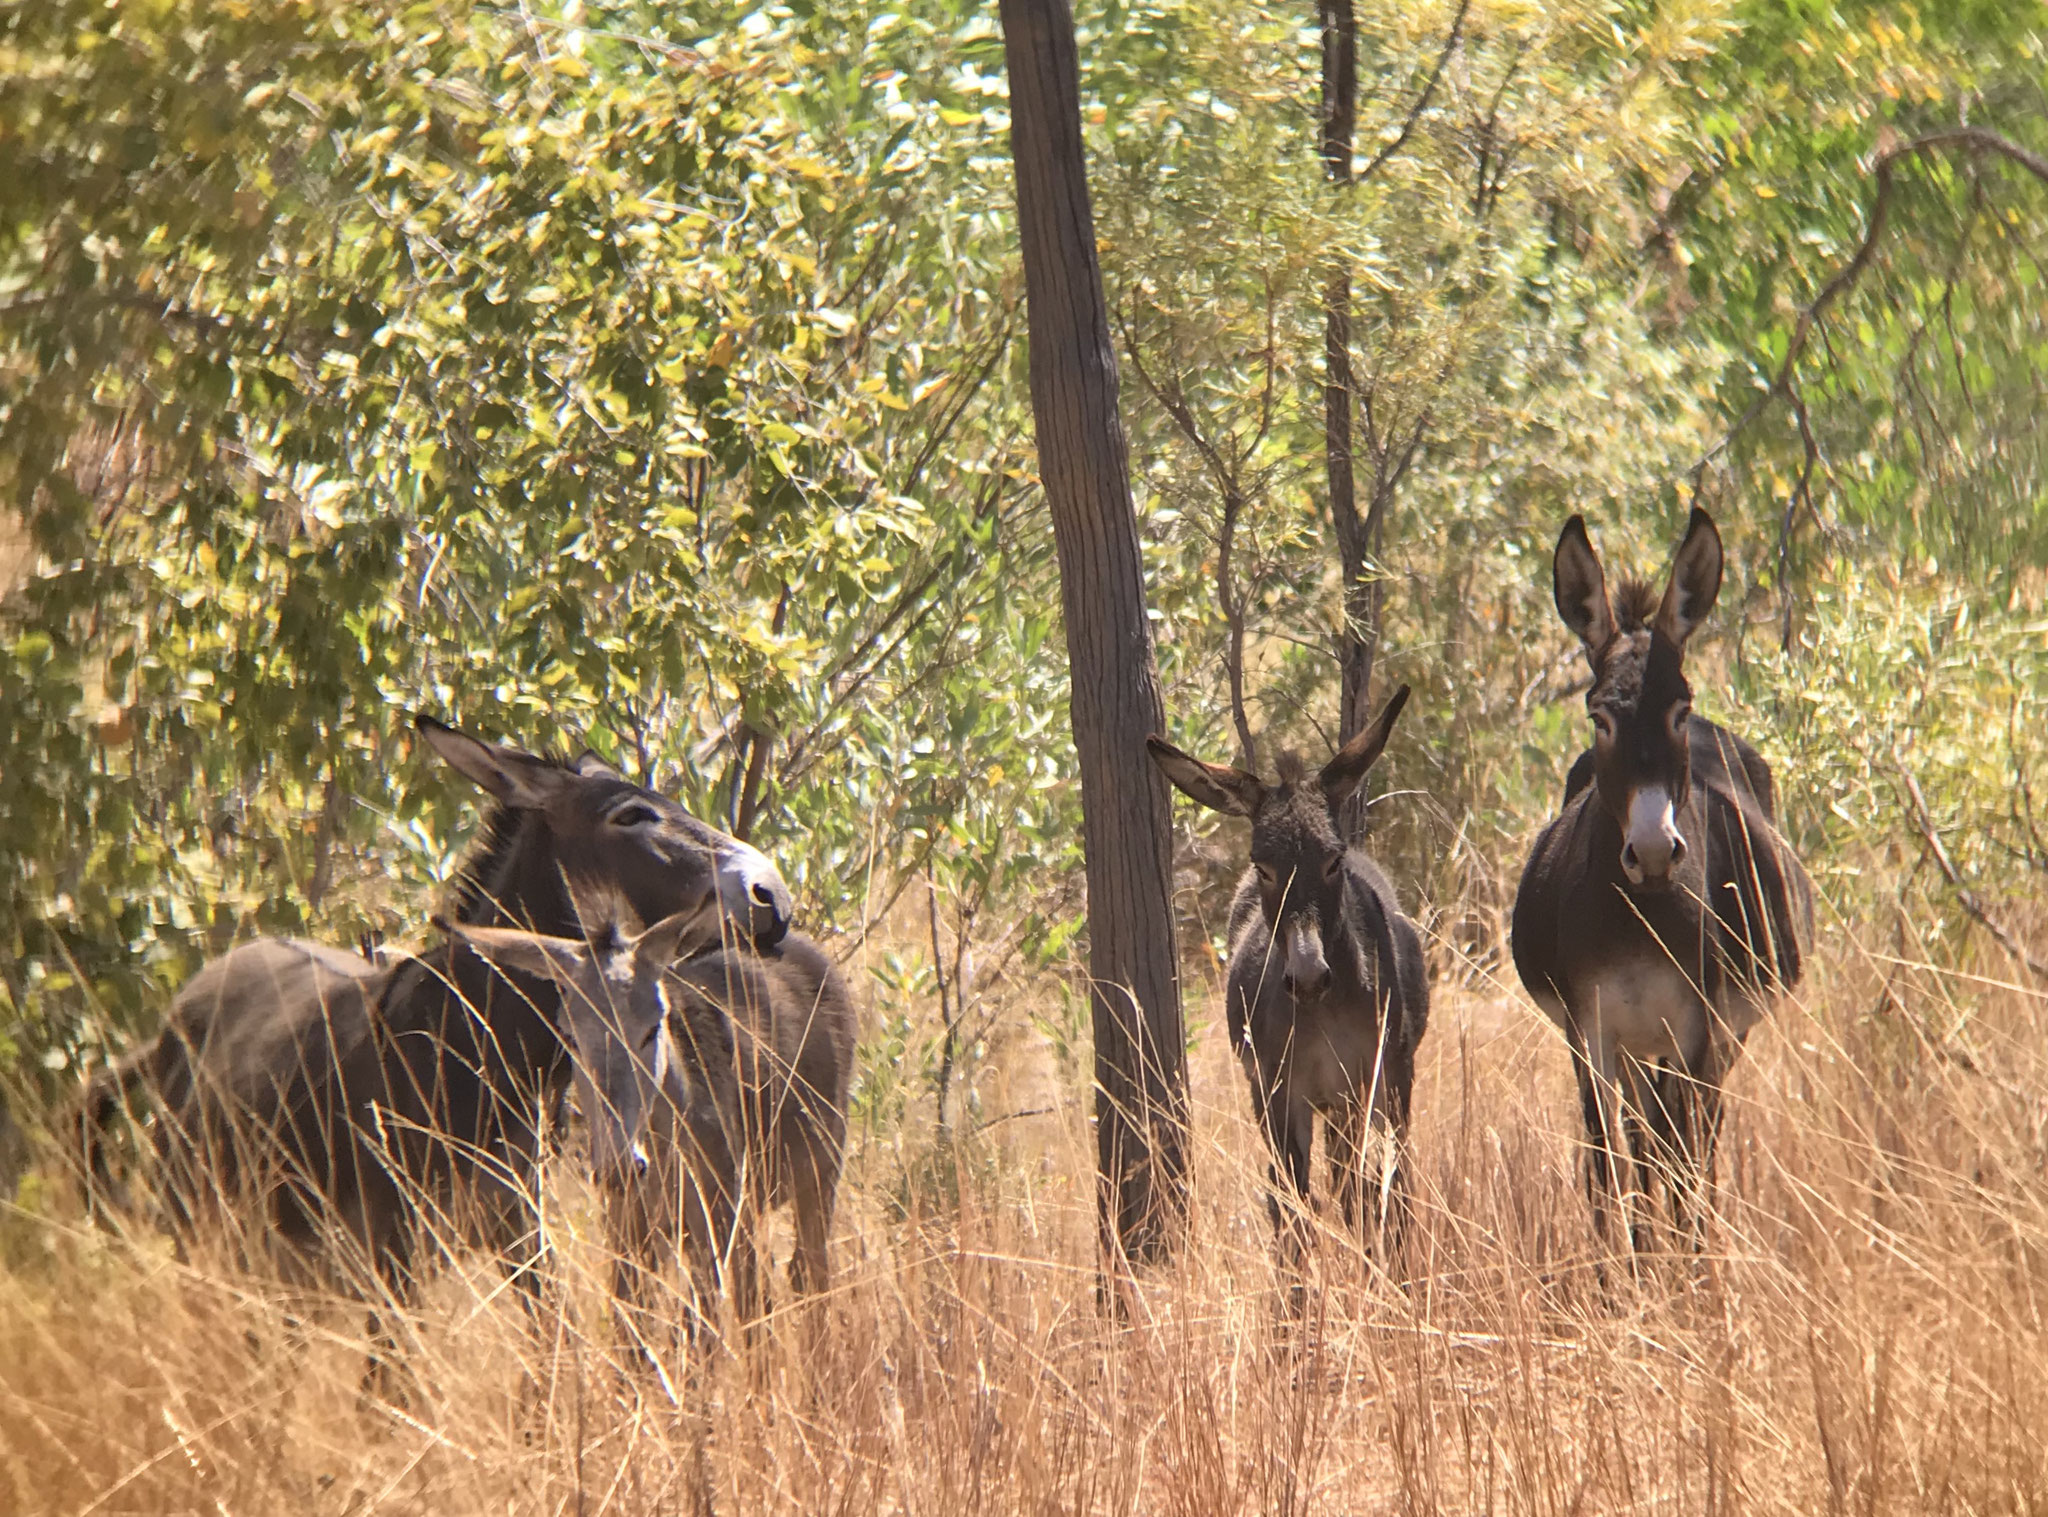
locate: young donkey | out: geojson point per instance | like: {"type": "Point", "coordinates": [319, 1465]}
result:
{"type": "Point", "coordinates": [1661, 912]}
{"type": "Point", "coordinates": [730, 1073]}
{"type": "Point", "coordinates": [1327, 994]}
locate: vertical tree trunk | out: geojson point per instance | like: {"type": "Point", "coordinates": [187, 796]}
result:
{"type": "Point", "coordinates": [1140, 1048]}
{"type": "Point", "coordinates": [1354, 549]}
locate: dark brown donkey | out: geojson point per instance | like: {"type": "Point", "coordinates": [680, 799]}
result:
{"type": "Point", "coordinates": [349, 1122]}
{"type": "Point", "coordinates": [739, 1105]}
{"type": "Point", "coordinates": [1327, 994]}
{"type": "Point", "coordinates": [773, 1032]}
{"type": "Point", "coordinates": [1662, 912]}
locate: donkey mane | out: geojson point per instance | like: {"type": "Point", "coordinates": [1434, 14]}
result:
{"type": "Point", "coordinates": [1291, 767]}
{"type": "Point", "coordinates": [1635, 604]}
{"type": "Point", "coordinates": [480, 877]}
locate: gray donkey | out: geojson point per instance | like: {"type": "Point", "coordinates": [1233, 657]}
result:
{"type": "Point", "coordinates": [1328, 994]}
{"type": "Point", "coordinates": [349, 1120]}
{"type": "Point", "coordinates": [735, 1068]}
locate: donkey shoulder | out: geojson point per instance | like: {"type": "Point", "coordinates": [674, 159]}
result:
{"type": "Point", "coordinates": [1725, 760]}
{"type": "Point", "coordinates": [1396, 937]}
{"type": "Point", "coordinates": [1761, 896]}
{"type": "Point", "coordinates": [811, 995]}
{"type": "Point", "coordinates": [1550, 880]}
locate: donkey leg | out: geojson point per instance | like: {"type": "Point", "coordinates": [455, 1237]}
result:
{"type": "Point", "coordinates": [1646, 1126]}
{"type": "Point", "coordinates": [1698, 1132]}
{"type": "Point", "coordinates": [384, 1373]}
{"type": "Point", "coordinates": [1388, 1143]}
{"type": "Point", "coordinates": [1594, 1060]}
{"type": "Point", "coordinates": [636, 1235]}
{"type": "Point", "coordinates": [1343, 1136]}
{"type": "Point", "coordinates": [814, 1176]}
{"type": "Point", "coordinates": [1291, 1132]}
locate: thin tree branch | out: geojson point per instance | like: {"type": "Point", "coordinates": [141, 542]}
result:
{"type": "Point", "coordinates": [1422, 100]}
{"type": "Point", "coordinates": [1923, 823]}
{"type": "Point", "coordinates": [1884, 167]}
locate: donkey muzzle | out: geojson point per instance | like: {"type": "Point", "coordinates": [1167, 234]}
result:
{"type": "Point", "coordinates": [1652, 846]}
{"type": "Point", "coordinates": [616, 1167]}
{"type": "Point", "coordinates": [1306, 974]}
{"type": "Point", "coordinates": [752, 895]}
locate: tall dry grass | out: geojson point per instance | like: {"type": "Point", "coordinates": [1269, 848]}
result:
{"type": "Point", "coordinates": [1864, 1336]}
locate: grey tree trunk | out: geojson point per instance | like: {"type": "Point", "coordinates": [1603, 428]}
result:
{"type": "Point", "coordinates": [1360, 631]}
{"type": "Point", "coordinates": [1140, 1046]}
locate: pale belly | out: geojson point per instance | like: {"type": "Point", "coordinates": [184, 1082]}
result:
{"type": "Point", "coordinates": [1645, 1008]}
{"type": "Point", "coordinates": [1327, 1061]}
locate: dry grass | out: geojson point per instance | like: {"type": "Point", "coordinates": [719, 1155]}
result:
{"type": "Point", "coordinates": [1866, 1336]}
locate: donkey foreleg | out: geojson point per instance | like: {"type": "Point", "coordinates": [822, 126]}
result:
{"type": "Point", "coordinates": [1595, 1060]}
{"type": "Point", "coordinates": [1290, 1131]}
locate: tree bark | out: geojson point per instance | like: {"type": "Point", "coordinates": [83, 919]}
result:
{"type": "Point", "coordinates": [1360, 630]}
{"type": "Point", "coordinates": [1140, 1046]}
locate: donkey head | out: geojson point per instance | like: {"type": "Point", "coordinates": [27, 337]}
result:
{"type": "Point", "coordinates": [1640, 701]}
{"type": "Point", "coordinates": [661, 860]}
{"type": "Point", "coordinates": [616, 1011]}
{"type": "Point", "coordinates": [1297, 843]}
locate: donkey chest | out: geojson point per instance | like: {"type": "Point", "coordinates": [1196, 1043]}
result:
{"type": "Point", "coordinates": [1323, 1055]}
{"type": "Point", "coordinates": [1644, 1006]}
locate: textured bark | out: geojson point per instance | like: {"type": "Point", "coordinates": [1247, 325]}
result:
{"type": "Point", "coordinates": [1140, 1048]}
{"type": "Point", "coordinates": [1361, 612]}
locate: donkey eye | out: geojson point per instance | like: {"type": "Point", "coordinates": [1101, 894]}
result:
{"type": "Point", "coordinates": [1603, 725]}
{"type": "Point", "coordinates": [1265, 873]}
{"type": "Point", "coordinates": [1333, 866]}
{"type": "Point", "coordinates": [1680, 715]}
{"type": "Point", "coordinates": [637, 814]}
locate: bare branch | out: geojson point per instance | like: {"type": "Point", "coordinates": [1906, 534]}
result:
{"type": "Point", "coordinates": [1422, 100]}
{"type": "Point", "coordinates": [1975, 140]}
{"type": "Point", "coordinates": [1227, 483]}
{"type": "Point", "coordinates": [1923, 823]}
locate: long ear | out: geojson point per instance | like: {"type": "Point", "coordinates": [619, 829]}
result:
{"type": "Point", "coordinates": [1580, 588]}
{"type": "Point", "coordinates": [590, 766]}
{"type": "Point", "coordinates": [659, 944]}
{"type": "Point", "coordinates": [1217, 786]}
{"type": "Point", "coordinates": [1695, 580]}
{"type": "Point", "coordinates": [1344, 771]}
{"type": "Point", "coordinates": [531, 952]}
{"type": "Point", "coordinates": [518, 779]}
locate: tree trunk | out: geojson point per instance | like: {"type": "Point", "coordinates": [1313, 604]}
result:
{"type": "Point", "coordinates": [1360, 631]}
{"type": "Point", "coordinates": [1140, 1047]}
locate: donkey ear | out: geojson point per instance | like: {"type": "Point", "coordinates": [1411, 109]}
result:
{"type": "Point", "coordinates": [518, 779]}
{"type": "Point", "coordinates": [1580, 588]}
{"type": "Point", "coordinates": [1217, 786]}
{"type": "Point", "coordinates": [1695, 580]}
{"type": "Point", "coordinates": [1342, 774]}
{"type": "Point", "coordinates": [661, 943]}
{"type": "Point", "coordinates": [533, 953]}
{"type": "Point", "coordinates": [591, 767]}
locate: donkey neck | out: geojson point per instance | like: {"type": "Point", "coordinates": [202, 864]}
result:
{"type": "Point", "coordinates": [516, 880]}
{"type": "Point", "coordinates": [513, 879]}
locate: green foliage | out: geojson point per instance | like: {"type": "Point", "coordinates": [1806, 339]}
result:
{"type": "Point", "coordinates": [616, 374]}
{"type": "Point", "coordinates": [584, 382]}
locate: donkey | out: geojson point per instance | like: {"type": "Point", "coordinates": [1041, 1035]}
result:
{"type": "Point", "coordinates": [615, 1009]}
{"type": "Point", "coordinates": [1662, 912]}
{"type": "Point", "coordinates": [738, 1105]}
{"type": "Point", "coordinates": [1327, 993]}
{"type": "Point", "coordinates": [774, 1031]}
{"type": "Point", "coordinates": [357, 1119]}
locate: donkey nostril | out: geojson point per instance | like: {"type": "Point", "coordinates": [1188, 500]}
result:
{"type": "Point", "coordinates": [762, 895]}
{"type": "Point", "coordinates": [1677, 849]}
